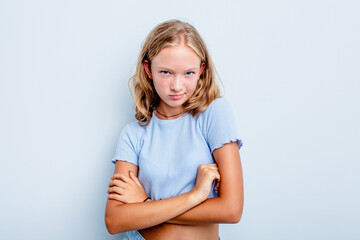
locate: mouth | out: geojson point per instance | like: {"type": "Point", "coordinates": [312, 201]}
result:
{"type": "Point", "coordinates": [176, 96]}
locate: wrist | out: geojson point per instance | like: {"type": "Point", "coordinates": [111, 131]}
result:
{"type": "Point", "coordinates": [195, 197]}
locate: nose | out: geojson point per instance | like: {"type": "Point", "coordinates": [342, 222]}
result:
{"type": "Point", "coordinates": [176, 84]}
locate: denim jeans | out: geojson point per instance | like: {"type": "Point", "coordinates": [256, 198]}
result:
{"type": "Point", "coordinates": [133, 235]}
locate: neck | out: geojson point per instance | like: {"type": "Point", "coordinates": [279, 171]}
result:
{"type": "Point", "coordinates": [166, 115]}
{"type": "Point", "coordinates": [165, 111]}
{"type": "Point", "coordinates": [170, 116]}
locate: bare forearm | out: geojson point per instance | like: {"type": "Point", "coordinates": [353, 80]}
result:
{"type": "Point", "coordinates": [126, 217]}
{"type": "Point", "coordinates": [213, 210]}
{"type": "Point", "coordinates": [228, 207]}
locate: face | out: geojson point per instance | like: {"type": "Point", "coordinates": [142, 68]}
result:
{"type": "Point", "coordinates": [174, 72]}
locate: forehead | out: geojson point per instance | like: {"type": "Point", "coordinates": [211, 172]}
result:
{"type": "Point", "coordinates": [175, 57]}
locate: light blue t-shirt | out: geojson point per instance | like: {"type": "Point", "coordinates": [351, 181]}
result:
{"type": "Point", "coordinates": [168, 152]}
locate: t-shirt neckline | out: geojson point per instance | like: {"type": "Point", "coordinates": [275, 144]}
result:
{"type": "Point", "coordinates": [168, 121]}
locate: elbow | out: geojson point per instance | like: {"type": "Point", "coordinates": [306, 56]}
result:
{"type": "Point", "coordinates": [111, 231]}
{"type": "Point", "coordinates": [115, 221]}
{"type": "Point", "coordinates": [109, 219]}
{"type": "Point", "coordinates": [235, 218]}
{"type": "Point", "coordinates": [234, 214]}
{"type": "Point", "coordinates": [112, 226]}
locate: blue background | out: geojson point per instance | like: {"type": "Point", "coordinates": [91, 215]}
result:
{"type": "Point", "coordinates": [289, 68]}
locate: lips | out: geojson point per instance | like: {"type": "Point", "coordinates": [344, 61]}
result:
{"type": "Point", "coordinates": [176, 96]}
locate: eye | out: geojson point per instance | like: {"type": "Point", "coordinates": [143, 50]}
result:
{"type": "Point", "coordinates": [190, 73]}
{"type": "Point", "coordinates": [165, 72]}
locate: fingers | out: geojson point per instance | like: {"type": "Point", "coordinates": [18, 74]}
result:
{"type": "Point", "coordinates": [115, 190]}
{"type": "Point", "coordinates": [134, 178]}
{"type": "Point", "coordinates": [117, 183]}
{"type": "Point", "coordinates": [116, 197]}
{"type": "Point", "coordinates": [211, 170]}
{"type": "Point", "coordinates": [217, 175]}
{"type": "Point", "coordinates": [217, 185]}
{"type": "Point", "coordinates": [120, 177]}
{"type": "Point", "coordinates": [126, 189]}
{"type": "Point", "coordinates": [121, 180]}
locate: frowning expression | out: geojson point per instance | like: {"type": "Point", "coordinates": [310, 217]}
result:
{"type": "Point", "coordinates": [175, 72]}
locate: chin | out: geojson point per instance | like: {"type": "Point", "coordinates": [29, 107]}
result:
{"type": "Point", "coordinates": [176, 103]}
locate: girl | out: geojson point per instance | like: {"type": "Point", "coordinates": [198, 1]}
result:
{"type": "Point", "coordinates": [184, 138]}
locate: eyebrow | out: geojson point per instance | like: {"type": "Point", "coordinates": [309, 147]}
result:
{"type": "Point", "coordinates": [169, 69]}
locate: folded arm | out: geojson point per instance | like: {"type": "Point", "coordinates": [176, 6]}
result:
{"type": "Point", "coordinates": [228, 207]}
{"type": "Point", "coordinates": [120, 217]}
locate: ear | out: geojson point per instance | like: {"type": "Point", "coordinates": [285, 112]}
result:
{"type": "Point", "coordinates": [147, 68]}
{"type": "Point", "coordinates": [202, 67]}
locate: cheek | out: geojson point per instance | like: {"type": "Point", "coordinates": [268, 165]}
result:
{"type": "Point", "coordinates": [160, 84]}
{"type": "Point", "coordinates": [191, 86]}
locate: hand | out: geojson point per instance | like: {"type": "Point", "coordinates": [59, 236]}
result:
{"type": "Point", "coordinates": [206, 174]}
{"type": "Point", "coordinates": [126, 189]}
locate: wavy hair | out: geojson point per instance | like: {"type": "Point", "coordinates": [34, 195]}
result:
{"type": "Point", "coordinates": [172, 33]}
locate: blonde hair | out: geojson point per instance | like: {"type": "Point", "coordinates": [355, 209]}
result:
{"type": "Point", "coordinates": [172, 33]}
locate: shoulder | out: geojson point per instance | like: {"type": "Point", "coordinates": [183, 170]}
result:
{"type": "Point", "coordinates": [129, 143]}
{"type": "Point", "coordinates": [132, 132]}
{"type": "Point", "coordinates": [134, 129]}
{"type": "Point", "coordinates": [219, 106]}
{"type": "Point", "coordinates": [218, 124]}
{"type": "Point", "coordinates": [134, 126]}
{"type": "Point", "coordinates": [218, 113]}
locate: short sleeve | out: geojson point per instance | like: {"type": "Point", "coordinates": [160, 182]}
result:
{"type": "Point", "coordinates": [126, 147]}
{"type": "Point", "coordinates": [221, 125]}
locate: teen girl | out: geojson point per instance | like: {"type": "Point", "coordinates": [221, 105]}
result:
{"type": "Point", "coordinates": [184, 138]}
